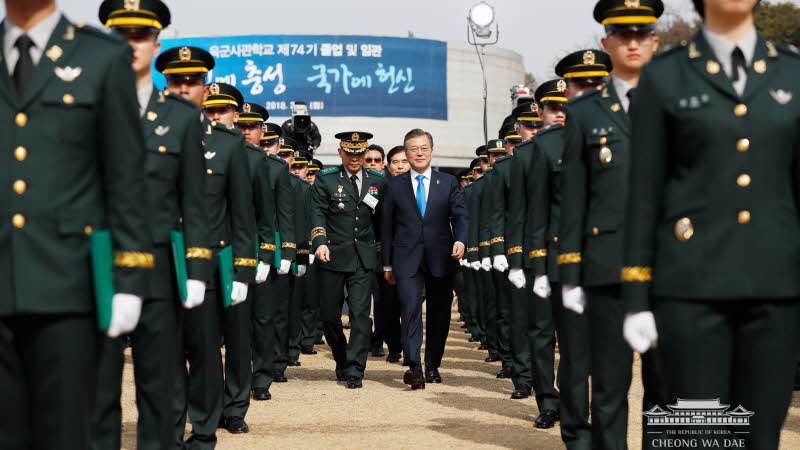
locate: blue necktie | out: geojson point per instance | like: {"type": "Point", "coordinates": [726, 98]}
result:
{"type": "Point", "coordinates": [421, 195]}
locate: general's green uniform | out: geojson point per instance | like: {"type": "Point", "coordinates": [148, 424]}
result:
{"type": "Point", "coordinates": [713, 237]}
{"type": "Point", "coordinates": [73, 162]}
{"type": "Point", "coordinates": [341, 220]}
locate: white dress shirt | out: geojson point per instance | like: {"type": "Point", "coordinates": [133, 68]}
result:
{"type": "Point", "coordinates": [358, 178]}
{"type": "Point", "coordinates": [622, 87]}
{"type": "Point", "coordinates": [39, 34]}
{"type": "Point", "coordinates": [723, 49]}
{"type": "Point", "coordinates": [143, 95]}
{"type": "Point", "coordinates": [425, 182]}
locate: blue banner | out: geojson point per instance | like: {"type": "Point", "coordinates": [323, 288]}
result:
{"type": "Point", "coordinates": [334, 75]}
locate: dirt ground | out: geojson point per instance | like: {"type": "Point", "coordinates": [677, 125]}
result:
{"type": "Point", "coordinates": [471, 409]}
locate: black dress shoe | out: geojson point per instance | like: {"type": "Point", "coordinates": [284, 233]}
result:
{"type": "Point", "coordinates": [378, 353]}
{"type": "Point", "coordinates": [294, 363]}
{"type": "Point", "coordinates": [308, 351]}
{"type": "Point", "coordinates": [414, 380]}
{"type": "Point", "coordinates": [354, 383]}
{"type": "Point", "coordinates": [406, 362]}
{"type": "Point", "coordinates": [521, 393]}
{"type": "Point", "coordinates": [472, 339]}
{"type": "Point", "coordinates": [504, 373]}
{"type": "Point", "coordinates": [432, 376]}
{"type": "Point", "coordinates": [492, 358]}
{"type": "Point", "coordinates": [280, 377]}
{"type": "Point", "coordinates": [261, 394]}
{"type": "Point", "coordinates": [340, 375]}
{"type": "Point", "coordinates": [393, 358]}
{"type": "Point", "coordinates": [483, 347]}
{"type": "Point", "coordinates": [223, 422]}
{"type": "Point", "coordinates": [237, 425]}
{"type": "Point", "coordinates": [546, 419]}
{"type": "Point", "coordinates": [463, 325]}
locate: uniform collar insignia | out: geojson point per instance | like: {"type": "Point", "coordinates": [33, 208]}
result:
{"type": "Point", "coordinates": [161, 130]}
{"type": "Point", "coordinates": [693, 53]}
{"type": "Point", "coordinates": [68, 74]}
{"type": "Point", "coordinates": [54, 53]}
{"type": "Point", "coordinates": [70, 33]}
{"type": "Point", "coordinates": [772, 52]}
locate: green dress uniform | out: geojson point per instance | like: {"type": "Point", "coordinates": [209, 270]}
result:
{"type": "Point", "coordinates": [472, 196]}
{"type": "Point", "coordinates": [302, 232]}
{"type": "Point", "coordinates": [343, 221]}
{"type": "Point", "coordinates": [74, 162]}
{"type": "Point", "coordinates": [311, 325]}
{"type": "Point", "coordinates": [713, 230]}
{"type": "Point", "coordinates": [275, 294]}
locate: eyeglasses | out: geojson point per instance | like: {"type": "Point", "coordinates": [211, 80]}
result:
{"type": "Point", "coordinates": [373, 160]}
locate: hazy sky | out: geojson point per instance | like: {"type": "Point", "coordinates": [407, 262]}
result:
{"type": "Point", "coordinates": [541, 31]}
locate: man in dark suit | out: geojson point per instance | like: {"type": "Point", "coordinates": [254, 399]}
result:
{"type": "Point", "coordinates": [424, 230]}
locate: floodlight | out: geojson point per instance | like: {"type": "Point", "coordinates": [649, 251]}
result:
{"type": "Point", "coordinates": [481, 18]}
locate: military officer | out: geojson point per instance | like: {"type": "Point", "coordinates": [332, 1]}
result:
{"type": "Point", "coordinates": [312, 327]}
{"type": "Point", "coordinates": [302, 197]}
{"type": "Point", "coordinates": [175, 171]}
{"type": "Point", "coordinates": [277, 291]}
{"type": "Point", "coordinates": [471, 299]}
{"type": "Point", "coordinates": [343, 216]}
{"type": "Point", "coordinates": [74, 164]}
{"type": "Point", "coordinates": [594, 193]}
{"type": "Point", "coordinates": [229, 200]}
{"type": "Point", "coordinates": [712, 226]}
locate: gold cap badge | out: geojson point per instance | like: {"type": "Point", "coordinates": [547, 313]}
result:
{"type": "Point", "coordinates": [588, 58]}
{"type": "Point", "coordinates": [562, 85]}
{"type": "Point", "coordinates": [534, 107]}
{"type": "Point", "coordinates": [214, 89]}
{"type": "Point", "coordinates": [132, 5]}
{"type": "Point", "coordinates": [185, 54]}
{"type": "Point", "coordinates": [280, 141]}
{"type": "Point", "coordinates": [246, 108]}
{"type": "Point", "coordinates": [632, 3]}
{"type": "Point", "coordinates": [355, 137]}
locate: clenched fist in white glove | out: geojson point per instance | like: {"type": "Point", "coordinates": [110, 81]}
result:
{"type": "Point", "coordinates": [486, 264]}
{"type": "Point", "coordinates": [125, 312]}
{"type": "Point", "coordinates": [500, 263]}
{"type": "Point", "coordinates": [195, 293]}
{"type": "Point", "coordinates": [517, 277]}
{"type": "Point", "coordinates": [541, 286]}
{"type": "Point", "coordinates": [475, 265]}
{"type": "Point", "coordinates": [301, 270]}
{"type": "Point", "coordinates": [238, 293]}
{"type": "Point", "coordinates": [286, 266]}
{"type": "Point", "coordinates": [573, 298]}
{"type": "Point", "coordinates": [639, 330]}
{"type": "Point", "coordinates": [262, 272]}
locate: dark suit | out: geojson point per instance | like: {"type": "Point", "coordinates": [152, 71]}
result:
{"type": "Point", "coordinates": [418, 249]}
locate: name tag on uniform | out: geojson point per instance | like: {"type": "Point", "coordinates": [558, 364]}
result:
{"type": "Point", "coordinates": [371, 201]}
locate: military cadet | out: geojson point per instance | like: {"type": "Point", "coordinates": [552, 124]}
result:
{"type": "Point", "coordinates": [345, 200]}
{"type": "Point", "coordinates": [302, 196]}
{"type": "Point", "coordinates": [712, 227]}
{"type": "Point", "coordinates": [472, 294]}
{"type": "Point", "coordinates": [277, 290]}
{"type": "Point", "coordinates": [232, 226]}
{"type": "Point", "coordinates": [312, 327]}
{"type": "Point", "coordinates": [74, 165]}
{"type": "Point", "coordinates": [498, 295]}
{"type": "Point", "coordinates": [594, 194]}
{"type": "Point", "coordinates": [175, 171]}
{"type": "Point", "coordinates": [511, 136]}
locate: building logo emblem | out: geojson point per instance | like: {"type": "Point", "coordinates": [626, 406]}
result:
{"type": "Point", "coordinates": [704, 412]}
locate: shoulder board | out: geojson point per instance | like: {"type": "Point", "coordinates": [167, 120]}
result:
{"type": "Point", "coordinates": [329, 170]}
{"type": "Point", "coordinates": [550, 129]}
{"type": "Point", "coordinates": [102, 33]}
{"type": "Point", "coordinates": [787, 49]}
{"type": "Point", "coordinates": [527, 143]}
{"type": "Point", "coordinates": [503, 158]}
{"type": "Point", "coordinates": [252, 147]}
{"type": "Point", "coordinates": [219, 126]}
{"type": "Point", "coordinates": [674, 48]}
{"type": "Point", "coordinates": [179, 99]}
{"type": "Point", "coordinates": [376, 173]}
{"type": "Point", "coordinates": [276, 158]}
{"type": "Point", "coordinates": [586, 94]}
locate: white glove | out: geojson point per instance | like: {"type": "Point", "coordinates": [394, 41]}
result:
{"type": "Point", "coordinates": [500, 263]}
{"type": "Point", "coordinates": [262, 272]}
{"type": "Point", "coordinates": [311, 259]}
{"type": "Point", "coordinates": [573, 298]}
{"type": "Point", "coordinates": [238, 293]}
{"type": "Point", "coordinates": [541, 286]}
{"type": "Point", "coordinates": [462, 262]}
{"type": "Point", "coordinates": [301, 270]}
{"type": "Point", "coordinates": [517, 277]}
{"type": "Point", "coordinates": [486, 264]}
{"type": "Point", "coordinates": [125, 312]}
{"type": "Point", "coordinates": [195, 293]}
{"type": "Point", "coordinates": [286, 266]}
{"type": "Point", "coordinates": [475, 265]}
{"type": "Point", "coordinates": [639, 330]}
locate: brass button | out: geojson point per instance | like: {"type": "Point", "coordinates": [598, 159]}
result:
{"type": "Point", "coordinates": [743, 145]}
{"type": "Point", "coordinates": [605, 156]}
{"type": "Point", "coordinates": [743, 180]}
{"type": "Point", "coordinates": [68, 99]}
{"type": "Point", "coordinates": [20, 186]}
{"type": "Point", "coordinates": [21, 119]}
{"type": "Point", "coordinates": [20, 153]}
{"type": "Point", "coordinates": [162, 149]}
{"type": "Point", "coordinates": [355, 229]}
{"type": "Point", "coordinates": [744, 217]}
{"type": "Point", "coordinates": [603, 140]}
{"type": "Point", "coordinates": [555, 239]}
{"type": "Point", "coordinates": [356, 218]}
{"type": "Point", "coordinates": [180, 219]}
{"type": "Point", "coordinates": [684, 230]}
{"type": "Point", "coordinates": [595, 231]}
{"type": "Point", "coordinates": [18, 220]}
{"type": "Point", "coordinates": [222, 243]}
{"type": "Point", "coordinates": [740, 110]}
{"type": "Point", "coordinates": [209, 171]}
{"type": "Point", "coordinates": [88, 229]}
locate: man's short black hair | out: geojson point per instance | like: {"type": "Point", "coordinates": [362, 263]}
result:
{"type": "Point", "coordinates": [417, 132]}
{"type": "Point", "coordinates": [395, 150]}
{"type": "Point", "coordinates": [378, 149]}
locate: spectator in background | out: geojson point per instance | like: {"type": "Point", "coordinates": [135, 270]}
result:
{"type": "Point", "coordinates": [397, 162]}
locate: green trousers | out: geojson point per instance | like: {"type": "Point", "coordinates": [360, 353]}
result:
{"type": "Point", "coordinates": [153, 345]}
{"type": "Point", "coordinates": [542, 338]}
{"type": "Point", "coordinates": [310, 309]}
{"type": "Point", "coordinates": [283, 292]}
{"type": "Point", "coordinates": [47, 381]}
{"type": "Point", "coordinates": [267, 297]}
{"type": "Point", "coordinates": [489, 307]}
{"type": "Point", "coordinates": [295, 326]}
{"type": "Point", "coordinates": [238, 357]}
{"type": "Point", "coordinates": [197, 391]}
{"type": "Point", "coordinates": [520, 324]}
{"type": "Point", "coordinates": [350, 356]}
{"type": "Point", "coordinates": [502, 294]}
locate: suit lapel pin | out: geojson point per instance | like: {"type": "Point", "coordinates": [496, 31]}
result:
{"type": "Point", "coordinates": [760, 66]}
{"type": "Point", "coordinates": [67, 74]}
{"type": "Point", "coordinates": [781, 96]}
{"type": "Point", "coordinates": [54, 53]}
{"type": "Point", "coordinates": [152, 115]}
{"type": "Point", "coordinates": [162, 130]}
{"type": "Point", "coordinates": [437, 181]}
